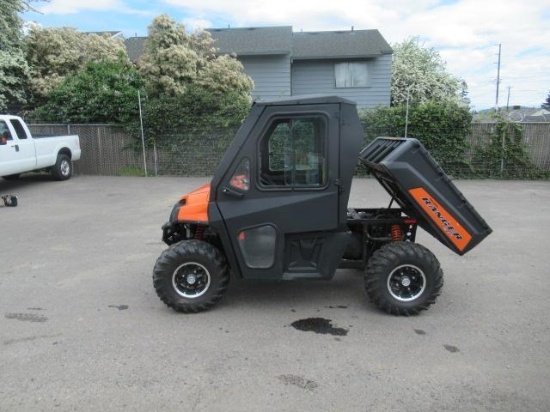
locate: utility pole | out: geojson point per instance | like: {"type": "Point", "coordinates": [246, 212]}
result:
{"type": "Point", "coordinates": [498, 77]}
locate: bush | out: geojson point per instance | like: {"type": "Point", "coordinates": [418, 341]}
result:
{"type": "Point", "coordinates": [441, 126]}
{"type": "Point", "coordinates": [504, 154]}
{"type": "Point", "coordinates": [197, 115]}
{"type": "Point", "coordinates": [102, 92]}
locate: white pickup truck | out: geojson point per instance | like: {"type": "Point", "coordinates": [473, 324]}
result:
{"type": "Point", "coordinates": [21, 152]}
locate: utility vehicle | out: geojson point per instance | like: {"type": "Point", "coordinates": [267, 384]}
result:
{"type": "Point", "coordinates": [277, 209]}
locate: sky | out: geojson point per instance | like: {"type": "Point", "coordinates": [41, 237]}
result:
{"type": "Point", "coordinates": [466, 33]}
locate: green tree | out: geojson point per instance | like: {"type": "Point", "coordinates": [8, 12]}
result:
{"type": "Point", "coordinates": [104, 92]}
{"type": "Point", "coordinates": [54, 53]}
{"type": "Point", "coordinates": [13, 66]}
{"type": "Point", "coordinates": [441, 126]}
{"type": "Point", "coordinates": [174, 60]}
{"type": "Point", "coordinates": [191, 90]}
{"type": "Point", "coordinates": [13, 76]}
{"type": "Point", "coordinates": [421, 73]}
{"type": "Point", "coordinates": [546, 104]}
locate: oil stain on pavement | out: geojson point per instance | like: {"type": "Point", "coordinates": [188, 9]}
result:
{"type": "Point", "coordinates": [119, 307]}
{"type": "Point", "coordinates": [299, 381]}
{"type": "Point", "coordinates": [319, 325]}
{"type": "Point", "coordinates": [26, 317]}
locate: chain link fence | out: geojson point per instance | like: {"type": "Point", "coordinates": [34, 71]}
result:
{"type": "Point", "coordinates": [534, 139]}
{"type": "Point", "coordinates": [108, 150]}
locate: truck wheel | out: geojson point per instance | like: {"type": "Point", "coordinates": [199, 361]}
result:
{"type": "Point", "coordinates": [63, 168]}
{"type": "Point", "coordinates": [191, 276]}
{"type": "Point", "coordinates": [403, 278]}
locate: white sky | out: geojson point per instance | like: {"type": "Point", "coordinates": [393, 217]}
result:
{"type": "Point", "coordinates": [466, 33]}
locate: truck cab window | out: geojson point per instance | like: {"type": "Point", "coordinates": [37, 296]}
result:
{"type": "Point", "coordinates": [293, 153]}
{"type": "Point", "coordinates": [4, 131]}
{"type": "Point", "coordinates": [19, 129]}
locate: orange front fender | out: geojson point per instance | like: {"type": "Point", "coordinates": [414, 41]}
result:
{"type": "Point", "coordinates": [194, 205]}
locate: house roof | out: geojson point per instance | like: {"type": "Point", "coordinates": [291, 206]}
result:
{"type": "Point", "coordinates": [539, 116]}
{"type": "Point", "coordinates": [113, 34]}
{"type": "Point", "coordinates": [135, 47]}
{"type": "Point", "coordinates": [256, 41]}
{"type": "Point", "coordinates": [253, 40]}
{"type": "Point", "coordinates": [339, 44]}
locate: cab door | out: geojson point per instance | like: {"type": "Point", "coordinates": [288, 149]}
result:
{"type": "Point", "coordinates": [279, 200]}
{"type": "Point", "coordinates": [16, 149]}
{"type": "Point", "coordinates": [26, 153]}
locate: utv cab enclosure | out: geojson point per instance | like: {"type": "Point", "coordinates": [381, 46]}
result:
{"type": "Point", "coordinates": [277, 209]}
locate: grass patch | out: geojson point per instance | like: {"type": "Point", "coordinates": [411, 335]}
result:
{"type": "Point", "coordinates": [131, 171]}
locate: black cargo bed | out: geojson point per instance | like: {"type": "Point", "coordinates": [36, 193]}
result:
{"type": "Point", "coordinates": [413, 178]}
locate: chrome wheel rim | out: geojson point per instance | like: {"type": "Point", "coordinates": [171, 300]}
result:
{"type": "Point", "coordinates": [65, 168]}
{"type": "Point", "coordinates": [406, 283]}
{"type": "Point", "coordinates": [191, 280]}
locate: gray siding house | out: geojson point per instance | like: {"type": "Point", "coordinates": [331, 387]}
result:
{"type": "Point", "coordinates": [354, 64]}
{"type": "Point", "coordinates": [265, 54]}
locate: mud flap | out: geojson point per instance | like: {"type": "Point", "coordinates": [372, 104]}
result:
{"type": "Point", "coordinates": [414, 179]}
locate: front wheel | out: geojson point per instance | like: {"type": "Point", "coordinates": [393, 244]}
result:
{"type": "Point", "coordinates": [403, 278]}
{"type": "Point", "coordinates": [63, 168]}
{"type": "Point", "coordinates": [191, 276]}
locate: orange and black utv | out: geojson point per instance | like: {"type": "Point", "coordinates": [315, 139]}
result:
{"type": "Point", "coordinates": [277, 209]}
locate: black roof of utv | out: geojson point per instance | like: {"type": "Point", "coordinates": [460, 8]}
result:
{"type": "Point", "coordinates": [304, 99]}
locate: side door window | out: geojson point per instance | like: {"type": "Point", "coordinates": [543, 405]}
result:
{"type": "Point", "coordinates": [293, 153]}
{"type": "Point", "coordinates": [5, 134]}
{"type": "Point", "coordinates": [19, 129]}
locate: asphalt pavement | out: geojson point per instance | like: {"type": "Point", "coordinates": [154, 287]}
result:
{"type": "Point", "coordinates": [81, 327]}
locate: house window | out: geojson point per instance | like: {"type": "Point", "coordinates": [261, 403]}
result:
{"type": "Point", "coordinates": [351, 74]}
{"type": "Point", "coordinates": [293, 153]}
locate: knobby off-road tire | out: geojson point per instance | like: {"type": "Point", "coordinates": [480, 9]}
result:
{"type": "Point", "coordinates": [403, 278]}
{"type": "Point", "coordinates": [63, 168]}
{"type": "Point", "coordinates": [191, 276]}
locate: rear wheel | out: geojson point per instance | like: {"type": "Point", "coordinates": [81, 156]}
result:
{"type": "Point", "coordinates": [63, 168]}
{"type": "Point", "coordinates": [191, 276]}
{"type": "Point", "coordinates": [403, 278]}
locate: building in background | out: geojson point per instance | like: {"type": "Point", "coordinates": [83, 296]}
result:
{"type": "Point", "coordinates": [354, 64]}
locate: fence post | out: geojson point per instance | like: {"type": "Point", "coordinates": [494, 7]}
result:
{"type": "Point", "coordinates": [155, 158]}
{"type": "Point", "coordinates": [142, 134]}
{"type": "Point", "coordinates": [100, 150]}
{"type": "Point", "coordinates": [503, 149]}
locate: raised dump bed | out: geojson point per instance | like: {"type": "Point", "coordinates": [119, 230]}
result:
{"type": "Point", "coordinates": [414, 179]}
